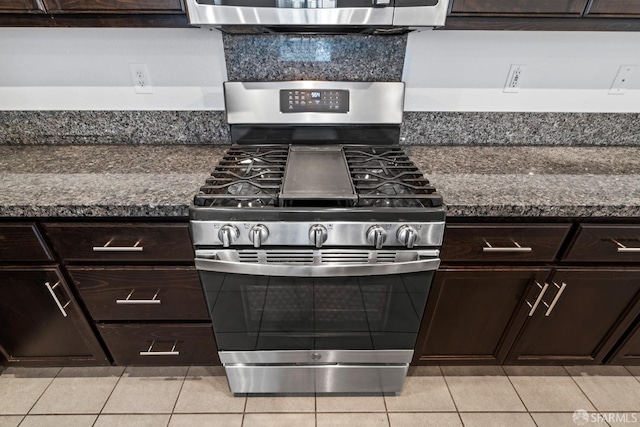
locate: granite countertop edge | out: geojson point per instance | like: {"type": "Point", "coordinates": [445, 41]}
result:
{"type": "Point", "coordinates": [565, 182]}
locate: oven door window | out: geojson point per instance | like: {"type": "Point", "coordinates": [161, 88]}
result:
{"type": "Point", "coordinates": [300, 313]}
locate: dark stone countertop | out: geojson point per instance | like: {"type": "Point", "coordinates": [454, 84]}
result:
{"type": "Point", "coordinates": [161, 180]}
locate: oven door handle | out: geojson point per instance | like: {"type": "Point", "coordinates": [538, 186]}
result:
{"type": "Point", "coordinates": [312, 270]}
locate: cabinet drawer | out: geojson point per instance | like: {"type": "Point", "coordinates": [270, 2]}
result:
{"type": "Point", "coordinates": [160, 344]}
{"type": "Point", "coordinates": [141, 293]}
{"type": "Point", "coordinates": [121, 242]}
{"type": "Point", "coordinates": [606, 243]}
{"type": "Point", "coordinates": [502, 242]}
{"type": "Point", "coordinates": [519, 7]}
{"type": "Point", "coordinates": [21, 6]}
{"type": "Point", "coordinates": [22, 242]}
{"type": "Point", "coordinates": [614, 8]}
{"type": "Point", "coordinates": [109, 6]}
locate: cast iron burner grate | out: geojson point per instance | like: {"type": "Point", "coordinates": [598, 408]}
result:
{"type": "Point", "coordinates": [247, 176]}
{"type": "Point", "coordinates": [252, 176]}
{"type": "Point", "coordinates": [386, 177]}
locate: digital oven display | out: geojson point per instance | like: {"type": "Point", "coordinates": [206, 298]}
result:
{"type": "Point", "coordinates": [314, 101]}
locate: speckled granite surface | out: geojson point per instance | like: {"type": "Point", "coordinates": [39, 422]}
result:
{"type": "Point", "coordinates": [495, 128]}
{"type": "Point", "coordinates": [160, 181]}
{"type": "Point", "coordinates": [113, 127]}
{"type": "Point", "coordinates": [418, 128]}
{"type": "Point", "coordinates": [314, 57]}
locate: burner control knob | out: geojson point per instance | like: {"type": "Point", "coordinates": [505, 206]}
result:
{"type": "Point", "coordinates": [228, 234]}
{"type": "Point", "coordinates": [318, 235]}
{"type": "Point", "coordinates": [258, 235]}
{"type": "Point", "coordinates": [376, 235]}
{"type": "Point", "coordinates": [407, 236]}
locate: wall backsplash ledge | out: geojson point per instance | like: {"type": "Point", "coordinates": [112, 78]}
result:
{"type": "Point", "coordinates": [418, 128]}
{"type": "Point", "coordinates": [506, 128]}
{"type": "Point", "coordinates": [113, 127]}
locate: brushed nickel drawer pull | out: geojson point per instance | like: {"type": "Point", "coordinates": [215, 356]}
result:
{"type": "Point", "coordinates": [108, 248]}
{"type": "Point", "coordinates": [128, 299]}
{"type": "Point", "coordinates": [623, 249]}
{"type": "Point", "coordinates": [172, 352]}
{"type": "Point", "coordinates": [540, 295]}
{"type": "Point", "coordinates": [516, 248]}
{"type": "Point", "coordinates": [55, 298]}
{"type": "Point", "coordinates": [555, 300]}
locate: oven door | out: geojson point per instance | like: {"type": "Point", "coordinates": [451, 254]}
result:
{"type": "Point", "coordinates": [358, 300]}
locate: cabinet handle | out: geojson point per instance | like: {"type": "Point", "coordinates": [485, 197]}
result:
{"type": "Point", "coordinates": [172, 352]}
{"type": "Point", "coordinates": [555, 300]}
{"type": "Point", "coordinates": [623, 249]}
{"type": "Point", "coordinates": [516, 248]}
{"type": "Point", "coordinates": [540, 295]}
{"type": "Point", "coordinates": [55, 298]}
{"type": "Point", "coordinates": [128, 299]}
{"type": "Point", "coordinates": [108, 248]}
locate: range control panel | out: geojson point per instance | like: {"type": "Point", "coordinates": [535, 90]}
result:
{"type": "Point", "coordinates": [314, 101]}
{"type": "Point", "coordinates": [325, 234]}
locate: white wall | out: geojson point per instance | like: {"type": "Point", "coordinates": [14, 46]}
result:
{"type": "Point", "coordinates": [88, 68]}
{"type": "Point", "coordinates": [566, 71]}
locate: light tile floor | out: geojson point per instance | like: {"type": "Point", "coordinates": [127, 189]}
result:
{"type": "Point", "coordinates": [446, 396]}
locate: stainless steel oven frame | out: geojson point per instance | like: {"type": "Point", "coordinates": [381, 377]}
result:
{"type": "Point", "coordinates": [317, 370]}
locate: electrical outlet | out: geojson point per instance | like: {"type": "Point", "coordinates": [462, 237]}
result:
{"type": "Point", "coordinates": [140, 76]}
{"type": "Point", "coordinates": [621, 81]}
{"type": "Point", "coordinates": [514, 78]}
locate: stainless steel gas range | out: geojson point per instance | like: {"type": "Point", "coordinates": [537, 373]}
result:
{"type": "Point", "coordinates": [316, 239]}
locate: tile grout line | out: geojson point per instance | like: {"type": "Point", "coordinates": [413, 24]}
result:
{"type": "Point", "coordinates": [518, 394]}
{"type": "Point", "coordinates": [109, 397]}
{"type": "Point", "coordinates": [244, 408]}
{"type": "Point", "coordinates": [184, 379]}
{"type": "Point", "coordinates": [41, 394]}
{"type": "Point", "coordinates": [455, 405]}
{"type": "Point", "coordinates": [583, 392]}
{"type": "Point", "coordinates": [637, 377]}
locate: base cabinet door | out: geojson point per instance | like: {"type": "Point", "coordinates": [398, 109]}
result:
{"type": "Point", "coordinates": [629, 351]}
{"type": "Point", "coordinates": [471, 311]}
{"type": "Point", "coordinates": [40, 321]}
{"type": "Point", "coordinates": [581, 317]}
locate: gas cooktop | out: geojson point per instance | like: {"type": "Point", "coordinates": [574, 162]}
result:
{"type": "Point", "coordinates": [281, 176]}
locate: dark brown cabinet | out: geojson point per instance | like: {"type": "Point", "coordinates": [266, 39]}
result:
{"type": "Point", "coordinates": [141, 289]}
{"type": "Point", "coordinates": [503, 242]}
{"type": "Point", "coordinates": [113, 6]}
{"type": "Point", "coordinates": [558, 15]}
{"type": "Point", "coordinates": [160, 344]}
{"type": "Point", "coordinates": [614, 8]}
{"type": "Point", "coordinates": [471, 310]}
{"type": "Point", "coordinates": [122, 242]}
{"type": "Point", "coordinates": [21, 6]}
{"type": "Point", "coordinates": [582, 314]}
{"type": "Point", "coordinates": [41, 322]}
{"type": "Point", "coordinates": [534, 294]}
{"type": "Point", "coordinates": [628, 353]}
{"type": "Point", "coordinates": [22, 242]}
{"type": "Point", "coordinates": [605, 243]}
{"type": "Point", "coordinates": [134, 293]}
{"type": "Point", "coordinates": [518, 7]}
{"type": "Point", "coordinates": [93, 13]}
